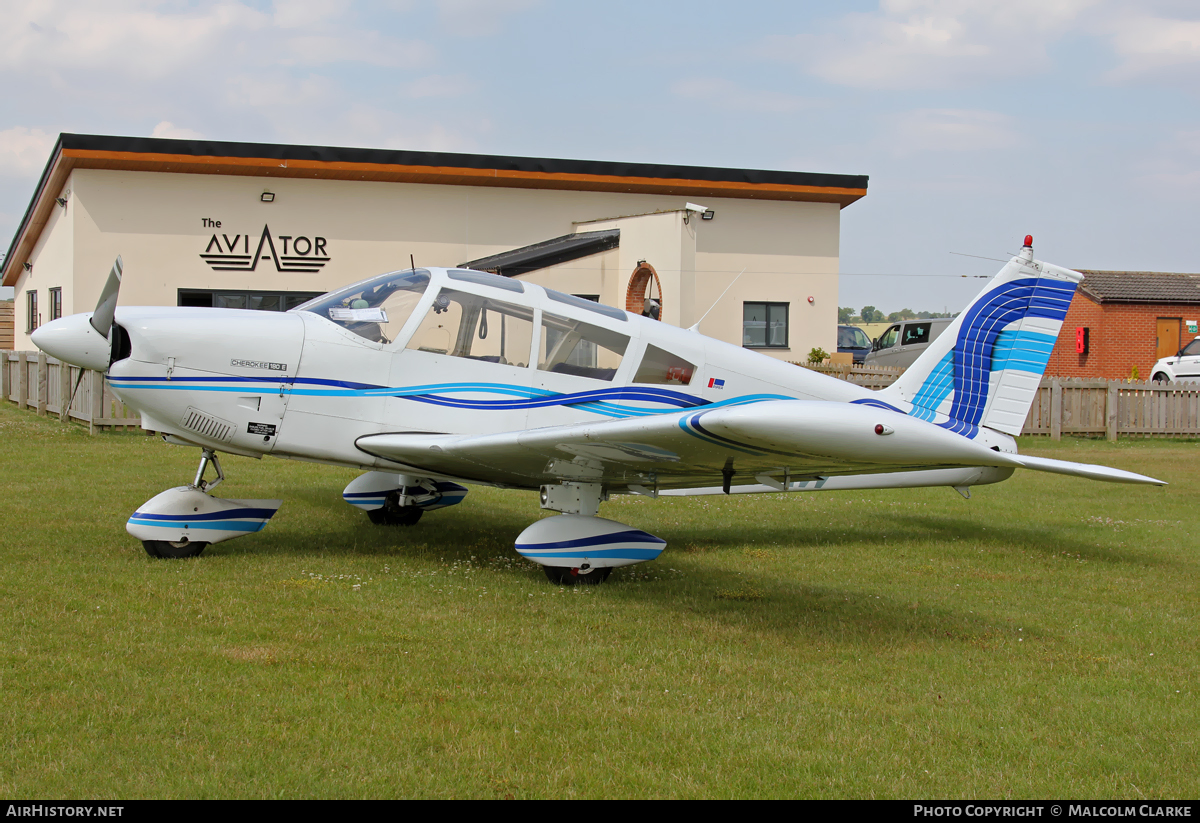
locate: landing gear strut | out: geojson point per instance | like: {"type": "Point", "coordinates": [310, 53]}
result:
{"type": "Point", "coordinates": [394, 514]}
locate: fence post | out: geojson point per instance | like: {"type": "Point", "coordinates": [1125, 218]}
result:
{"type": "Point", "coordinates": [96, 384]}
{"type": "Point", "coordinates": [64, 391]}
{"type": "Point", "coordinates": [22, 381]}
{"type": "Point", "coordinates": [1056, 410]}
{"type": "Point", "coordinates": [1111, 411]}
{"type": "Point", "coordinates": [5, 376]}
{"type": "Point", "coordinates": [43, 383]}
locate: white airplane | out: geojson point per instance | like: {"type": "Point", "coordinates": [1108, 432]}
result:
{"type": "Point", "coordinates": [430, 378]}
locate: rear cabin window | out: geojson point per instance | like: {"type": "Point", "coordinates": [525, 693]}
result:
{"type": "Point", "coordinates": [578, 348]}
{"type": "Point", "coordinates": [663, 368]}
{"type": "Point", "coordinates": [474, 327]}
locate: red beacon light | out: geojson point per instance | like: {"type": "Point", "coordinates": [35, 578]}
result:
{"type": "Point", "coordinates": [1029, 241]}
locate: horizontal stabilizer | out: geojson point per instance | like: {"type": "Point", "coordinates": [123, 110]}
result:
{"type": "Point", "coordinates": [1045, 464]}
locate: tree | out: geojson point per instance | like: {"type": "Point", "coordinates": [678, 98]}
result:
{"type": "Point", "coordinates": [870, 314]}
{"type": "Point", "coordinates": [844, 314]}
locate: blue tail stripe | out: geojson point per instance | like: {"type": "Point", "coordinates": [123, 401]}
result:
{"type": "Point", "coordinates": [935, 389]}
{"type": "Point", "coordinates": [983, 325]}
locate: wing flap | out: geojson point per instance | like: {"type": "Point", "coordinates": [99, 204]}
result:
{"type": "Point", "coordinates": [699, 446]}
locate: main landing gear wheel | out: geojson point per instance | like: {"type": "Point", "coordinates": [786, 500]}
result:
{"type": "Point", "coordinates": [406, 516]}
{"type": "Point", "coordinates": [170, 550]}
{"type": "Point", "coordinates": [567, 576]}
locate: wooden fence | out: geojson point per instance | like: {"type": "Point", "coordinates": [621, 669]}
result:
{"type": "Point", "coordinates": [6, 324]}
{"type": "Point", "coordinates": [1068, 405]}
{"type": "Point", "coordinates": [36, 381]}
{"type": "Point", "coordinates": [870, 377]}
{"type": "Point", "coordinates": [1112, 407]}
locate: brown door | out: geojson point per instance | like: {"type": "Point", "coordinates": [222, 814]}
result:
{"type": "Point", "coordinates": [1168, 337]}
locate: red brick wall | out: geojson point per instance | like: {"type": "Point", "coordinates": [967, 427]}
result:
{"type": "Point", "coordinates": [1122, 335]}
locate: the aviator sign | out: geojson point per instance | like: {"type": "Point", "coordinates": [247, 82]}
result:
{"type": "Point", "coordinates": [294, 253]}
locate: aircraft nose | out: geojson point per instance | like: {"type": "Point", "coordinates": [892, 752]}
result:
{"type": "Point", "coordinates": [73, 340]}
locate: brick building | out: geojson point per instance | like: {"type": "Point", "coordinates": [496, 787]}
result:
{"type": "Point", "coordinates": [1125, 320]}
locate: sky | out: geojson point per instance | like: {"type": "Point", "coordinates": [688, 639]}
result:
{"type": "Point", "coordinates": [978, 122]}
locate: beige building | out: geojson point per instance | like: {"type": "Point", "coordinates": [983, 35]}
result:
{"type": "Point", "coordinates": [266, 226]}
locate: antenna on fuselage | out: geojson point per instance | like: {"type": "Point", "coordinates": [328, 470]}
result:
{"type": "Point", "coordinates": [696, 326]}
{"type": "Point", "coordinates": [411, 262]}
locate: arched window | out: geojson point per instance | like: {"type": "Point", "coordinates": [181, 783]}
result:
{"type": "Point", "coordinates": [643, 287]}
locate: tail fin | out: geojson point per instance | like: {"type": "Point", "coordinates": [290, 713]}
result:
{"type": "Point", "coordinates": [984, 369]}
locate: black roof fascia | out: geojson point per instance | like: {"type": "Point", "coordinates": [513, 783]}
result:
{"type": "Point", "coordinates": [399, 157]}
{"type": "Point", "coordinates": [547, 253]}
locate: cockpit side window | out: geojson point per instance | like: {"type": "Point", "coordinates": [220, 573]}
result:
{"type": "Point", "coordinates": [477, 328]}
{"type": "Point", "coordinates": [578, 348]}
{"type": "Point", "coordinates": [375, 309]}
{"type": "Point", "coordinates": [663, 368]}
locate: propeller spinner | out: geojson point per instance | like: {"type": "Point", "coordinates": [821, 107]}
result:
{"type": "Point", "coordinates": [83, 339]}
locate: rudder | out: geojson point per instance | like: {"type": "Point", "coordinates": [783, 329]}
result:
{"type": "Point", "coordinates": [984, 370]}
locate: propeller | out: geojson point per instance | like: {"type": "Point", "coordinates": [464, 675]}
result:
{"type": "Point", "coordinates": [106, 306]}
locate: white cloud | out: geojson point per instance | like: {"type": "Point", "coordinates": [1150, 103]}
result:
{"type": "Point", "coordinates": [303, 13]}
{"type": "Point", "coordinates": [169, 129]}
{"type": "Point", "coordinates": [439, 85]}
{"type": "Point", "coordinates": [479, 18]}
{"type": "Point", "coordinates": [1151, 45]}
{"type": "Point", "coordinates": [24, 151]}
{"type": "Point", "coordinates": [1172, 167]}
{"type": "Point", "coordinates": [951, 130]}
{"type": "Point", "coordinates": [725, 94]}
{"type": "Point", "coordinates": [278, 94]}
{"type": "Point", "coordinates": [124, 37]}
{"type": "Point", "coordinates": [933, 43]}
{"type": "Point", "coordinates": [371, 48]}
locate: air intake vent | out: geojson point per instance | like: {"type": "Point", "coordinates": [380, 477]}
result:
{"type": "Point", "coordinates": [203, 423]}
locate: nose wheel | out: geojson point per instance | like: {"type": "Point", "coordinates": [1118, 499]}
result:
{"type": "Point", "coordinates": [567, 576]}
{"type": "Point", "coordinates": [173, 550]}
{"type": "Point", "coordinates": [170, 525]}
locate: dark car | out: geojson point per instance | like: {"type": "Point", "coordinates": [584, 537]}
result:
{"type": "Point", "coordinates": [853, 340]}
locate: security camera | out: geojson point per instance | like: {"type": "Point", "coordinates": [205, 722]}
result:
{"type": "Point", "coordinates": [695, 208]}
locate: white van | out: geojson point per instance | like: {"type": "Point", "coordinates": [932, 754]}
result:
{"type": "Point", "coordinates": [902, 343]}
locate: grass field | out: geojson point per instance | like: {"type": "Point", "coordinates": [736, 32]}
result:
{"type": "Point", "coordinates": [1039, 640]}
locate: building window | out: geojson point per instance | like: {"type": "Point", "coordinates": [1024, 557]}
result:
{"type": "Point", "coordinates": [56, 303]}
{"type": "Point", "coordinates": [257, 300]}
{"type": "Point", "coordinates": [765, 325]}
{"type": "Point", "coordinates": [31, 311]}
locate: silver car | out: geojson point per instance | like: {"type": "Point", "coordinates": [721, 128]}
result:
{"type": "Point", "coordinates": [902, 343]}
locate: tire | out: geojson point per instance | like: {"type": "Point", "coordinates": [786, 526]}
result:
{"type": "Point", "coordinates": [1159, 377]}
{"type": "Point", "coordinates": [168, 550]}
{"type": "Point", "coordinates": [395, 517]}
{"type": "Point", "coordinates": [566, 576]}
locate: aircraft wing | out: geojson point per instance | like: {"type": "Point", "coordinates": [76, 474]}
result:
{"type": "Point", "coordinates": [796, 439]}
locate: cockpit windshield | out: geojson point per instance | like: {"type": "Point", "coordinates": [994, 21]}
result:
{"type": "Point", "coordinates": [375, 309]}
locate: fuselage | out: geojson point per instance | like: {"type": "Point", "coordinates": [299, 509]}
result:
{"type": "Point", "coordinates": [442, 351]}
